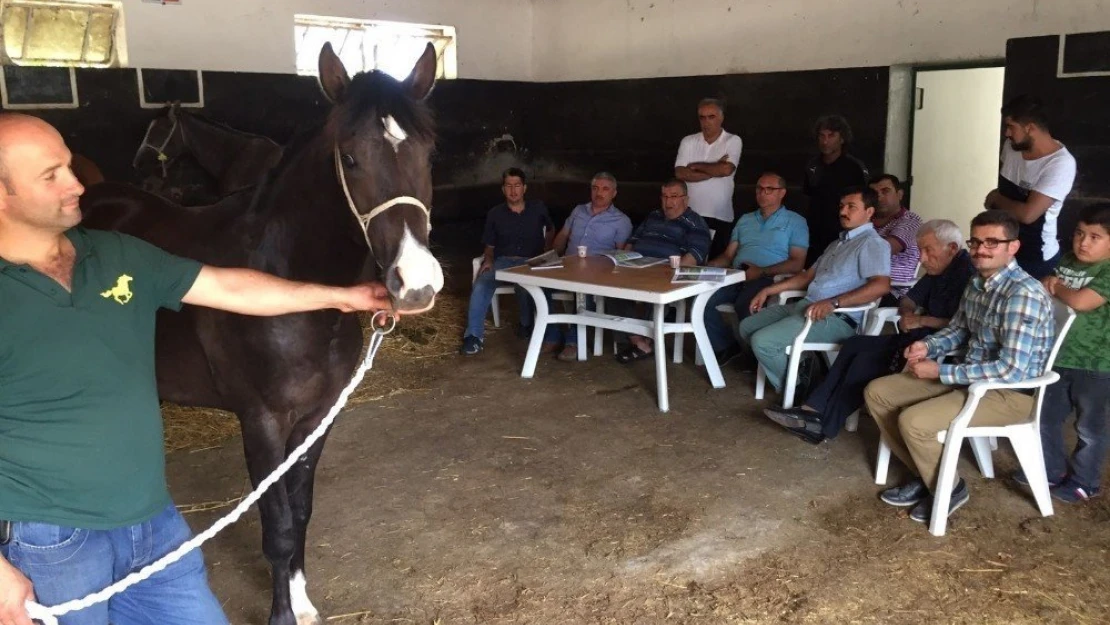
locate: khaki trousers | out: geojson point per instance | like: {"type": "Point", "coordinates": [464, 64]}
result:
{"type": "Point", "coordinates": [910, 412]}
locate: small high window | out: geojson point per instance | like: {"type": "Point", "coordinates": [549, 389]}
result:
{"type": "Point", "coordinates": [61, 33]}
{"type": "Point", "coordinates": [364, 45]}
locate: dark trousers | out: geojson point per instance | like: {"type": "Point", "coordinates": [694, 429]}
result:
{"type": "Point", "coordinates": [722, 235]}
{"type": "Point", "coordinates": [1037, 267]}
{"type": "Point", "coordinates": [860, 360]}
{"type": "Point", "coordinates": [1088, 393]}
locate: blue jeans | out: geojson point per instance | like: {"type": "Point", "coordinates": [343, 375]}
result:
{"type": "Point", "coordinates": [65, 563]}
{"type": "Point", "coordinates": [770, 331]}
{"type": "Point", "coordinates": [1088, 392]}
{"type": "Point", "coordinates": [739, 295]}
{"type": "Point", "coordinates": [481, 296]}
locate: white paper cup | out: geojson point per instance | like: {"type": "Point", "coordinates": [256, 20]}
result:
{"type": "Point", "coordinates": [582, 251]}
{"type": "Point", "coordinates": [675, 261]}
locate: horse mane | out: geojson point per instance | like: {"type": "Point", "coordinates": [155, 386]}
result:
{"type": "Point", "coordinates": [225, 128]}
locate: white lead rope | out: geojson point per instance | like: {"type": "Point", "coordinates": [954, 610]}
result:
{"type": "Point", "coordinates": [49, 615]}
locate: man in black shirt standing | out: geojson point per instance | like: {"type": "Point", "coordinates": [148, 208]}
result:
{"type": "Point", "coordinates": [515, 231]}
{"type": "Point", "coordinates": [826, 175]}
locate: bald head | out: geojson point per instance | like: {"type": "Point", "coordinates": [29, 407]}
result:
{"type": "Point", "coordinates": [19, 132]}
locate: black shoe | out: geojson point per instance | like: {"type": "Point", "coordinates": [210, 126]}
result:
{"type": "Point", "coordinates": [793, 417]}
{"type": "Point", "coordinates": [924, 510]}
{"type": "Point", "coordinates": [906, 495]}
{"type": "Point", "coordinates": [728, 354]}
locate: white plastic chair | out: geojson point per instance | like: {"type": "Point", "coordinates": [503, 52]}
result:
{"type": "Point", "coordinates": [1025, 437]}
{"type": "Point", "coordinates": [799, 346]}
{"type": "Point", "coordinates": [495, 307]}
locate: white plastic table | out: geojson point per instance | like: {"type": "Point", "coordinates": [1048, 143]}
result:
{"type": "Point", "coordinates": [598, 276]}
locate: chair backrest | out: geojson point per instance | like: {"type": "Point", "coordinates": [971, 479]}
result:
{"type": "Point", "coordinates": [1064, 316]}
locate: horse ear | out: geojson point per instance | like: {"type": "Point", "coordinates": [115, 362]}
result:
{"type": "Point", "coordinates": [333, 76]}
{"type": "Point", "coordinates": [423, 75]}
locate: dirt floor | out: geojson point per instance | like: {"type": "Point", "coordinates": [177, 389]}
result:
{"type": "Point", "coordinates": [476, 496]}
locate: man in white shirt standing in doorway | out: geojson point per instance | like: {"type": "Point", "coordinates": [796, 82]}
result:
{"type": "Point", "coordinates": [707, 162]}
{"type": "Point", "coordinates": [1037, 174]}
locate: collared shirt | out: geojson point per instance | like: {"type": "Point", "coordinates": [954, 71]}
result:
{"type": "Point", "coordinates": [903, 265]}
{"type": "Point", "coordinates": [940, 295]}
{"type": "Point", "coordinates": [517, 234]}
{"type": "Point", "coordinates": [659, 237]}
{"type": "Point", "coordinates": [80, 424]}
{"type": "Point", "coordinates": [711, 197]}
{"type": "Point", "coordinates": [857, 255]}
{"type": "Point", "coordinates": [606, 230]}
{"type": "Point", "coordinates": [1007, 323]}
{"type": "Point", "coordinates": [765, 242]}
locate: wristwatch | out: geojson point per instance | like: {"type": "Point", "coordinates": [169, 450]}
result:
{"type": "Point", "coordinates": [836, 303]}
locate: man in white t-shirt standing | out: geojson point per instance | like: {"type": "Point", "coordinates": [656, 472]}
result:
{"type": "Point", "coordinates": [707, 162]}
{"type": "Point", "coordinates": [1037, 174]}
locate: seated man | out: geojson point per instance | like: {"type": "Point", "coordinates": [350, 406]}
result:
{"type": "Point", "coordinates": [674, 230]}
{"type": "Point", "coordinates": [514, 232]}
{"type": "Point", "coordinates": [929, 306]}
{"type": "Point", "coordinates": [898, 225]}
{"type": "Point", "coordinates": [598, 225]}
{"type": "Point", "coordinates": [1005, 320]}
{"type": "Point", "coordinates": [853, 271]}
{"type": "Point", "coordinates": [765, 243]}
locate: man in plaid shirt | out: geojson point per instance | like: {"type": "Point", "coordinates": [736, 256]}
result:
{"type": "Point", "coordinates": [1005, 321]}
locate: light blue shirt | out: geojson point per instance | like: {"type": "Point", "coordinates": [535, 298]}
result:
{"type": "Point", "coordinates": [766, 242]}
{"type": "Point", "coordinates": [848, 262]}
{"type": "Point", "coordinates": [606, 230]}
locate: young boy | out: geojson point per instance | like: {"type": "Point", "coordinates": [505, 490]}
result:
{"type": "Point", "coordinates": [1082, 281]}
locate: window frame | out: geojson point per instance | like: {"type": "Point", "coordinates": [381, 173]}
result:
{"type": "Point", "coordinates": [446, 55]}
{"type": "Point", "coordinates": [117, 56]}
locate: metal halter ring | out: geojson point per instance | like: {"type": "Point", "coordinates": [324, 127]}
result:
{"type": "Point", "coordinates": [390, 318]}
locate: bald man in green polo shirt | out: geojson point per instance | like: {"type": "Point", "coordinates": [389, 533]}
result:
{"type": "Point", "coordinates": [83, 499]}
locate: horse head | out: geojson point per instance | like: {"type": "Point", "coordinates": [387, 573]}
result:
{"type": "Point", "coordinates": [382, 138]}
{"type": "Point", "coordinates": [162, 143]}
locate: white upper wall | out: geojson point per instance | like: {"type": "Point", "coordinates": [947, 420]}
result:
{"type": "Point", "coordinates": [494, 36]}
{"type": "Point", "coordinates": [601, 39]}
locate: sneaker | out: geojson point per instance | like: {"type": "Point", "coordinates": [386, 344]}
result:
{"type": "Point", "coordinates": [1019, 477]}
{"type": "Point", "coordinates": [569, 353]}
{"type": "Point", "coordinates": [906, 495]}
{"type": "Point", "coordinates": [471, 345]}
{"type": "Point", "coordinates": [922, 511]}
{"type": "Point", "coordinates": [728, 354]}
{"type": "Point", "coordinates": [1069, 491]}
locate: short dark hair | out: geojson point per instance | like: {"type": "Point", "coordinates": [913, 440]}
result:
{"type": "Point", "coordinates": [834, 123]}
{"type": "Point", "coordinates": [1096, 215]}
{"type": "Point", "coordinates": [998, 217]}
{"type": "Point", "coordinates": [775, 174]}
{"type": "Point", "coordinates": [867, 194]}
{"type": "Point", "coordinates": [514, 172]}
{"type": "Point", "coordinates": [891, 177]}
{"type": "Point", "coordinates": [1026, 109]}
{"type": "Point", "coordinates": [675, 182]}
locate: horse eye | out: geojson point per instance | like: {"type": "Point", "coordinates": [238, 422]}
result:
{"type": "Point", "coordinates": [348, 160]}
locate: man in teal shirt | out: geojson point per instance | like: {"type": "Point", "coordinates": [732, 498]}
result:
{"type": "Point", "coordinates": [765, 243]}
{"type": "Point", "coordinates": [83, 498]}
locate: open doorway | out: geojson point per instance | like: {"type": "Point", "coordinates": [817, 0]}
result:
{"type": "Point", "coordinates": [957, 127]}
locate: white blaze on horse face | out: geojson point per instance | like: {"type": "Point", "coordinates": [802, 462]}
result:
{"type": "Point", "coordinates": [394, 134]}
{"type": "Point", "coordinates": [303, 609]}
{"type": "Point", "coordinates": [417, 266]}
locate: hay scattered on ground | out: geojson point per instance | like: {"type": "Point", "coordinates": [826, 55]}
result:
{"type": "Point", "coordinates": [418, 338]}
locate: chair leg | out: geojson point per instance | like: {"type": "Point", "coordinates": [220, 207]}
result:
{"type": "Point", "coordinates": [760, 381]}
{"type": "Point", "coordinates": [791, 382]}
{"type": "Point", "coordinates": [599, 333]}
{"type": "Point", "coordinates": [946, 479]}
{"type": "Point", "coordinates": [1030, 454]}
{"type": "Point", "coordinates": [982, 448]}
{"type": "Point", "coordinates": [679, 337]}
{"type": "Point", "coordinates": [496, 308]}
{"type": "Point", "coordinates": [882, 462]}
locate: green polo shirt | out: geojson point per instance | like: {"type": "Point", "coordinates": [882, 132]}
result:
{"type": "Point", "coordinates": [80, 426]}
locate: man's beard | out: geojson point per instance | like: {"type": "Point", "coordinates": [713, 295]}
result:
{"type": "Point", "coordinates": [1023, 146]}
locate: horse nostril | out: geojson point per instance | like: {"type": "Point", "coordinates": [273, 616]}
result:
{"type": "Point", "coordinates": [393, 280]}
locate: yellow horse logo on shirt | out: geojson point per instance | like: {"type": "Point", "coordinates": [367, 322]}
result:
{"type": "Point", "coordinates": [121, 292]}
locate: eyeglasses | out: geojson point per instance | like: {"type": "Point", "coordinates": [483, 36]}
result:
{"type": "Point", "coordinates": [768, 189]}
{"type": "Point", "coordinates": [990, 244]}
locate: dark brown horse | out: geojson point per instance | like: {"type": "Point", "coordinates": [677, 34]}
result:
{"type": "Point", "coordinates": [281, 375]}
{"type": "Point", "coordinates": [235, 159]}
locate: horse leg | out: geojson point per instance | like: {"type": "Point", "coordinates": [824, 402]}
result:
{"type": "Point", "coordinates": [264, 445]}
{"type": "Point", "coordinates": [298, 485]}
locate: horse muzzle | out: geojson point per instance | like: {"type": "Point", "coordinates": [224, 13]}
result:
{"type": "Point", "coordinates": [414, 278]}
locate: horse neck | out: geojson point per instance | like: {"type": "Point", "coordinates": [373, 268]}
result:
{"type": "Point", "coordinates": [216, 149]}
{"type": "Point", "coordinates": [304, 228]}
